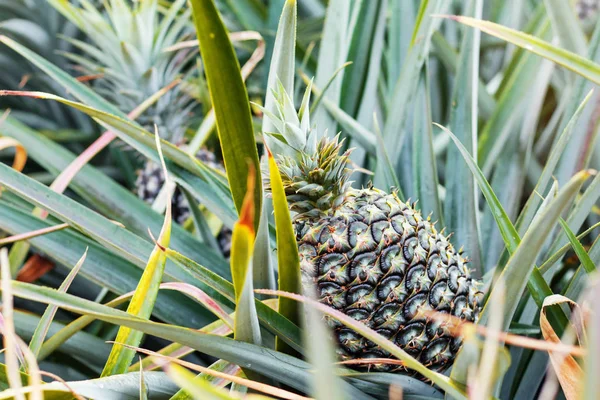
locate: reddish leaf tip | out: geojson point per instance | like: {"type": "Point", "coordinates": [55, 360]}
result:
{"type": "Point", "coordinates": [247, 212]}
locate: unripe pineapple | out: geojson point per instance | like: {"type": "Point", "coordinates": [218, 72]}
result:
{"type": "Point", "coordinates": [368, 254]}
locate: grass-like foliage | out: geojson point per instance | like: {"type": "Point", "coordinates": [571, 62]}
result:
{"type": "Point", "coordinates": [296, 199]}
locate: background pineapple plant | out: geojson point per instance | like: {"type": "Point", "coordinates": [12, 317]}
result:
{"type": "Point", "coordinates": [144, 65]}
{"type": "Point", "coordinates": [399, 296]}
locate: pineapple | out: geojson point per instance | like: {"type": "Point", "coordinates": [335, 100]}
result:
{"type": "Point", "coordinates": [366, 253]}
{"type": "Point", "coordinates": [143, 31]}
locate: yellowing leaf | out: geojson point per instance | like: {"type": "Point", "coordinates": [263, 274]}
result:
{"type": "Point", "coordinates": [246, 326]}
{"type": "Point", "coordinates": [143, 299]}
{"type": "Point", "coordinates": [566, 368]}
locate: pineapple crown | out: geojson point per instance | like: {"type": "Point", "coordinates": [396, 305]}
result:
{"type": "Point", "coordinates": [315, 173]}
{"type": "Point", "coordinates": [129, 49]}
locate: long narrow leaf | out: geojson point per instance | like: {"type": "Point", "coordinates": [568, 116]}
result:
{"type": "Point", "coordinates": [287, 250]}
{"type": "Point", "coordinates": [230, 102]}
{"type": "Point", "coordinates": [42, 330]}
{"type": "Point", "coordinates": [142, 302]}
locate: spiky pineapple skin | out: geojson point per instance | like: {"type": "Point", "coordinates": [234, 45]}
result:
{"type": "Point", "coordinates": [379, 261]}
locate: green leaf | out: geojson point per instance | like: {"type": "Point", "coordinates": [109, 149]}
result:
{"type": "Point", "coordinates": [230, 102]}
{"type": "Point", "coordinates": [318, 339]}
{"type": "Point", "coordinates": [447, 55]}
{"type": "Point", "coordinates": [522, 70]}
{"type": "Point", "coordinates": [282, 67]}
{"type": "Point", "coordinates": [566, 26]}
{"type": "Point", "coordinates": [591, 383]}
{"type": "Point", "coordinates": [362, 50]}
{"type": "Point", "coordinates": [567, 59]}
{"type": "Point", "coordinates": [460, 214]}
{"type": "Point", "coordinates": [142, 302]}
{"type": "Point", "coordinates": [42, 329]}
{"type": "Point", "coordinates": [333, 51]}
{"type": "Point", "coordinates": [532, 204]}
{"type": "Point", "coordinates": [424, 163]}
{"type": "Point", "coordinates": [288, 260]}
{"type": "Point", "coordinates": [579, 148]}
{"type": "Point", "coordinates": [198, 389]}
{"type": "Point", "coordinates": [101, 267]}
{"type": "Point", "coordinates": [118, 387]}
{"type": "Point", "coordinates": [404, 89]}
{"type": "Point", "coordinates": [82, 346]}
{"type": "Point", "coordinates": [583, 256]}
{"type": "Point", "coordinates": [143, 386]}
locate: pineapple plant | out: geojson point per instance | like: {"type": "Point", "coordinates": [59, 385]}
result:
{"type": "Point", "coordinates": [145, 66]}
{"type": "Point", "coordinates": [367, 253]}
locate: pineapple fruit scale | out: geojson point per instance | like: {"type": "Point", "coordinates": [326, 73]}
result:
{"type": "Point", "coordinates": [366, 253]}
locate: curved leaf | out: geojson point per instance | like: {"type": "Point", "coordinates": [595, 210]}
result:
{"type": "Point", "coordinates": [567, 59]}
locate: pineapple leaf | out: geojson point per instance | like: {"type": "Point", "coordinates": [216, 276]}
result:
{"type": "Point", "coordinates": [566, 26]}
{"type": "Point", "coordinates": [42, 329]}
{"type": "Point", "coordinates": [583, 256]}
{"type": "Point", "coordinates": [282, 67]}
{"type": "Point", "coordinates": [521, 71]}
{"type": "Point", "coordinates": [532, 205]}
{"type": "Point", "coordinates": [394, 131]}
{"type": "Point", "coordinates": [592, 362]}
{"type": "Point", "coordinates": [230, 103]}
{"type": "Point", "coordinates": [522, 262]}
{"type": "Point", "coordinates": [426, 179]}
{"type": "Point", "coordinates": [144, 298]}
{"type": "Point", "coordinates": [574, 62]}
{"type": "Point", "coordinates": [288, 260]}
{"type": "Point", "coordinates": [198, 389]}
{"type": "Point", "coordinates": [188, 171]}
{"type": "Point", "coordinates": [460, 213]}
{"type": "Point", "coordinates": [332, 54]}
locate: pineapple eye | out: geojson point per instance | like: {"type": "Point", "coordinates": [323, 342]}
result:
{"type": "Point", "coordinates": [410, 245]}
{"type": "Point", "coordinates": [437, 292]}
{"type": "Point", "coordinates": [412, 306]}
{"type": "Point", "coordinates": [392, 262]}
{"type": "Point", "coordinates": [389, 316]}
{"type": "Point", "coordinates": [410, 332]}
{"type": "Point", "coordinates": [364, 268]}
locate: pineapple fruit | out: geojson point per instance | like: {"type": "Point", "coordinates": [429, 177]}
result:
{"type": "Point", "coordinates": [366, 253]}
